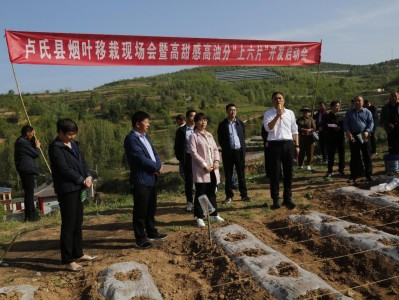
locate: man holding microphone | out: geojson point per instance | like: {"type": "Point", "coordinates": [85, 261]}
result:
{"type": "Point", "coordinates": [283, 147]}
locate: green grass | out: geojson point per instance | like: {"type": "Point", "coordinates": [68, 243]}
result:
{"type": "Point", "coordinates": [10, 228]}
{"type": "Point", "coordinates": [124, 217]}
{"type": "Point", "coordinates": [58, 282]}
{"type": "Point", "coordinates": [174, 228]}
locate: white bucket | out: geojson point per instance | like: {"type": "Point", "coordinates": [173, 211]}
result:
{"type": "Point", "coordinates": [206, 205]}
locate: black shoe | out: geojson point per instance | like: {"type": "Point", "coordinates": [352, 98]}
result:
{"type": "Point", "coordinates": [351, 181]}
{"type": "Point", "coordinates": [228, 200]}
{"type": "Point", "coordinates": [246, 199]}
{"type": "Point", "coordinates": [369, 179]}
{"type": "Point", "coordinates": [275, 206]}
{"type": "Point", "coordinates": [290, 205]}
{"type": "Point", "coordinates": [341, 173]}
{"type": "Point", "coordinates": [328, 175]}
{"type": "Point", "coordinates": [159, 236]}
{"type": "Point", "coordinates": [143, 245]}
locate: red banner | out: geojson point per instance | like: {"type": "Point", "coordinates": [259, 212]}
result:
{"type": "Point", "coordinates": [46, 48]}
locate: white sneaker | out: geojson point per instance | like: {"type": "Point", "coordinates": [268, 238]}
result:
{"type": "Point", "coordinates": [189, 206]}
{"type": "Point", "coordinates": [309, 168]}
{"type": "Point", "coordinates": [217, 218]}
{"type": "Point", "coordinates": [200, 223]}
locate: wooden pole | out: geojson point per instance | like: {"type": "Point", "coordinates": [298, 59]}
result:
{"type": "Point", "coordinates": [316, 86]}
{"type": "Point", "coordinates": [209, 223]}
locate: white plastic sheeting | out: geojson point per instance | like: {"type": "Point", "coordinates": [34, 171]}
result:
{"type": "Point", "coordinates": [263, 267]}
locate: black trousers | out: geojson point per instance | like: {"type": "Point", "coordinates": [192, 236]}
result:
{"type": "Point", "coordinates": [281, 154]}
{"type": "Point", "coordinates": [360, 152]}
{"type": "Point", "coordinates": [323, 144]}
{"type": "Point", "coordinates": [144, 208]}
{"type": "Point", "coordinates": [71, 208]}
{"type": "Point", "coordinates": [335, 145]}
{"type": "Point", "coordinates": [188, 178]}
{"type": "Point", "coordinates": [208, 189]}
{"type": "Point", "coordinates": [306, 146]}
{"type": "Point", "coordinates": [267, 161]}
{"type": "Point", "coordinates": [393, 139]}
{"type": "Point", "coordinates": [373, 142]}
{"type": "Point", "coordinates": [230, 159]}
{"type": "Point", "coordinates": [28, 184]}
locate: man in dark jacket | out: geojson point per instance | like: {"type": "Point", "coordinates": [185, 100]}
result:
{"type": "Point", "coordinates": [145, 166]}
{"type": "Point", "coordinates": [319, 118]}
{"type": "Point", "coordinates": [333, 126]}
{"type": "Point", "coordinates": [231, 137]}
{"type": "Point", "coordinates": [374, 113]}
{"type": "Point", "coordinates": [26, 150]}
{"type": "Point", "coordinates": [389, 119]}
{"type": "Point", "coordinates": [182, 153]}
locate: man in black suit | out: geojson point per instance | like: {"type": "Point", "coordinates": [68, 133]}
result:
{"type": "Point", "coordinates": [183, 155]}
{"type": "Point", "coordinates": [319, 119]}
{"type": "Point", "coordinates": [231, 137]}
{"type": "Point", "coordinates": [26, 150]}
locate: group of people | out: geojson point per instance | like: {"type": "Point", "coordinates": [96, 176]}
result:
{"type": "Point", "coordinates": [285, 138]}
{"type": "Point", "coordinates": [331, 128]}
{"type": "Point", "coordinates": [358, 125]}
{"type": "Point", "coordinates": [199, 159]}
{"type": "Point", "coordinates": [71, 177]}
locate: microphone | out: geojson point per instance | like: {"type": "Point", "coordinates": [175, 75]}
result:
{"type": "Point", "coordinates": [280, 107]}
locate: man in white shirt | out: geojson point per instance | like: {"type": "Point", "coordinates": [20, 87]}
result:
{"type": "Point", "coordinates": [283, 147]}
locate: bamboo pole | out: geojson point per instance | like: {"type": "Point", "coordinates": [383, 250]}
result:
{"type": "Point", "coordinates": [26, 113]}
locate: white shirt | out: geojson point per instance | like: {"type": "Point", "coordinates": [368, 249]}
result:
{"type": "Point", "coordinates": [285, 126]}
{"type": "Point", "coordinates": [146, 144]}
{"type": "Point", "coordinates": [233, 135]}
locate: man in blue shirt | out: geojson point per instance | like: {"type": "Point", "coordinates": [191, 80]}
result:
{"type": "Point", "coordinates": [231, 138]}
{"type": "Point", "coordinates": [358, 124]}
{"type": "Point", "coordinates": [145, 166]}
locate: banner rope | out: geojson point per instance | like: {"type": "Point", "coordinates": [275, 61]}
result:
{"type": "Point", "coordinates": [26, 113]}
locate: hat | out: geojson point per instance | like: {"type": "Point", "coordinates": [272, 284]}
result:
{"type": "Point", "coordinates": [304, 108]}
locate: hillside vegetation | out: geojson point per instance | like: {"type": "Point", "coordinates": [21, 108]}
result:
{"type": "Point", "coordinates": [103, 114]}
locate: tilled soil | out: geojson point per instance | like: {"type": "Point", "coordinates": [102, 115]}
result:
{"type": "Point", "coordinates": [188, 266]}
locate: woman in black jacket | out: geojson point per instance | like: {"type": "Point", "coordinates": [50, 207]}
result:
{"type": "Point", "coordinates": [71, 177]}
{"type": "Point", "coordinates": [26, 150]}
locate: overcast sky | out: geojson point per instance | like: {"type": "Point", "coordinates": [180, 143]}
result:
{"type": "Point", "coordinates": [352, 31]}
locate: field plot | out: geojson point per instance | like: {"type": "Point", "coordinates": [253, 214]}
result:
{"type": "Point", "coordinates": [188, 266]}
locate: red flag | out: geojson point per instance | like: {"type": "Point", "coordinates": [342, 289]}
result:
{"type": "Point", "coordinates": [48, 48]}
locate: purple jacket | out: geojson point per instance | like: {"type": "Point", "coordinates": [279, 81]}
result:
{"type": "Point", "coordinates": [204, 152]}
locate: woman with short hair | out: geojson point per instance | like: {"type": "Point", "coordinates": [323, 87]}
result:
{"type": "Point", "coordinates": [205, 164]}
{"type": "Point", "coordinates": [71, 178]}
